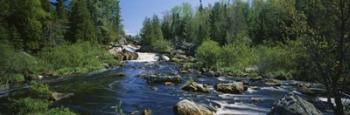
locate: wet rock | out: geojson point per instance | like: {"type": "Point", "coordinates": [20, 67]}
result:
{"type": "Point", "coordinates": [158, 78]}
{"type": "Point", "coordinates": [273, 82]}
{"type": "Point", "coordinates": [127, 55]}
{"type": "Point", "coordinates": [59, 96]}
{"type": "Point", "coordinates": [309, 89]}
{"type": "Point", "coordinates": [251, 69]}
{"type": "Point", "coordinates": [186, 107]}
{"type": "Point", "coordinates": [196, 87]}
{"type": "Point", "coordinates": [147, 112]}
{"type": "Point", "coordinates": [234, 88]}
{"type": "Point", "coordinates": [268, 82]}
{"type": "Point", "coordinates": [294, 105]}
{"type": "Point", "coordinates": [168, 83]}
{"type": "Point", "coordinates": [164, 58]}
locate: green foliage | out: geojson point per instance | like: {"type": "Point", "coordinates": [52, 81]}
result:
{"type": "Point", "coordinates": [208, 53]}
{"type": "Point", "coordinates": [161, 46]}
{"type": "Point", "coordinates": [39, 90]}
{"type": "Point", "coordinates": [30, 106]}
{"type": "Point", "coordinates": [15, 65]}
{"type": "Point", "coordinates": [60, 11]}
{"type": "Point", "coordinates": [81, 25]}
{"type": "Point", "coordinates": [26, 18]}
{"type": "Point", "coordinates": [152, 36]}
{"type": "Point", "coordinates": [106, 17]}
{"type": "Point", "coordinates": [75, 58]}
{"type": "Point", "coordinates": [60, 111]}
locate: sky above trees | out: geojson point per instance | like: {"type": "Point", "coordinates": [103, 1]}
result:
{"type": "Point", "coordinates": [135, 11]}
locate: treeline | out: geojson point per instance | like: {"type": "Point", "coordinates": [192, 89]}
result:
{"type": "Point", "coordinates": [56, 37]}
{"type": "Point", "coordinates": [287, 39]}
{"type": "Point", "coordinates": [40, 38]}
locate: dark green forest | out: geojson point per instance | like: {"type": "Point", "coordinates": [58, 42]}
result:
{"type": "Point", "coordinates": [306, 40]}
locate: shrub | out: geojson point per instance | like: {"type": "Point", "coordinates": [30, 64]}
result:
{"type": "Point", "coordinates": [31, 106]}
{"type": "Point", "coordinates": [15, 65]}
{"type": "Point", "coordinates": [60, 111]}
{"type": "Point", "coordinates": [161, 45]}
{"type": "Point", "coordinates": [39, 90]}
{"type": "Point", "coordinates": [208, 53]}
{"type": "Point", "coordinates": [75, 58]}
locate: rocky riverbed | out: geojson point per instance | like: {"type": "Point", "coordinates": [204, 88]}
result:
{"type": "Point", "coordinates": [158, 87]}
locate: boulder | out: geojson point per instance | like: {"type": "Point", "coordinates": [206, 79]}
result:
{"type": "Point", "coordinates": [234, 88]}
{"type": "Point", "coordinates": [186, 107]}
{"type": "Point", "coordinates": [147, 112]}
{"type": "Point", "coordinates": [164, 58]}
{"type": "Point", "coordinates": [127, 55]}
{"type": "Point", "coordinates": [309, 89]}
{"type": "Point", "coordinates": [159, 78]}
{"type": "Point", "coordinates": [59, 96]}
{"type": "Point", "coordinates": [196, 87]}
{"type": "Point", "coordinates": [294, 105]}
{"type": "Point", "coordinates": [272, 82]}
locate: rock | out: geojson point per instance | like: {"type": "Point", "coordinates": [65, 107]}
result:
{"type": "Point", "coordinates": [59, 96]}
{"type": "Point", "coordinates": [164, 58]}
{"type": "Point", "coordinates": [176, 52]}
{"type": "Point", "coordinates": [251, 69]}
{"type": "Point", "coordinates": [147, 112]}
{"type": "Point", "coordinates": [195, 87]}
{"type": "Point", "coordinates": [309, 89]}
{"type": "Point", "coordinates": [186, 107]}
{"type": "Point", "coordinates": [168, 83]}
{"type": "Point", "coordinates": [294, 105]}
{"type": "Point", "coordinates": [127, 55]}
{"type": "Point", "coordinates": [234, 88]}
{"type": "Point", "coordinates": [272, 82]}
{"type": "Point", "coordinates": [158, 78]}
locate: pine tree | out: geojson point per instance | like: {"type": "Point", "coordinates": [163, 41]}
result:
{"type": "Point", "coordinates": [81, 26]}
{"type": "Point", "coordinates": [60, 9]}
{"type": "Point", "coordinates": [107, 19]}
{"type": "Point", "coordinates": [45, 4]}
{"type": "Point", "coordinates": [26, 17]}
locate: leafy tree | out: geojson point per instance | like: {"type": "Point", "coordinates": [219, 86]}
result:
{"type": "Point", "coordinates": [208, 53]}
{"type": "Point", "coordinates": [324, 33]}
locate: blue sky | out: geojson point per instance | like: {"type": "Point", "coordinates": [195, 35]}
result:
{"type": "Point", "coordinates": [135, 11]}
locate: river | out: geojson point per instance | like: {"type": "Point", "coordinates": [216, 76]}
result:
{"type": "Point", "coordinates": [100, 93]}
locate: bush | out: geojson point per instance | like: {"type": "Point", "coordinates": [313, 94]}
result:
{"type": "Point", "coordinates": [161, 46]}
{"type": "Point", "coordinates": [208, 53]}
{"type": "Point", "coordinates": [15, 65]}
{"type": "Point", "coordinates": [60, 111]}
{"type": "Point", "coordinates": [39, 90]}
{"type": "Point", "coordinates": [30, 106]}
{"type": "Point", "coordinates": [75, 58]}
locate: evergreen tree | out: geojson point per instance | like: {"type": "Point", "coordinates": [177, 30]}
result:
{"type": "Point", "coordinates": [81, 26]}
{"type": "Point", "coordinates": [60, 9]}
{"type": "Point", "coordinates": [26, 16]}
{"type": "Point", "coordinates": [46, 5]}
{"type": "Point", "coordinates": [107, 19]}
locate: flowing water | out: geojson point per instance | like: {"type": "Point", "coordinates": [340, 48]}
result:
{"type": "Point", "coordinates": [99, 93]}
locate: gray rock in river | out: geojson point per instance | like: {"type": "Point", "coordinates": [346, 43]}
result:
{"type": "Point", "coordinates": [196, 87]}
{"type": "Point", "coordinates": [294, 105]}
{"type": "Point", "coordinates": [234, 88]}
{"type": "Point", "coordinates": [59, 96]}
{"type": "Point", "coordinates": [159, 78]}
{"type": "Point", "coordinates": [186, 107]}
